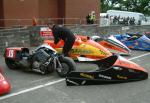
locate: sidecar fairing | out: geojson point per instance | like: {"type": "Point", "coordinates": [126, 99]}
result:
{"type": "Point", "coordinates": [5, 86]}
{"type": "Point", "coordinates": [147, 34]}
{"type": "Point", "coordinates": [15, 53]}
{"type": "Point", "coordinates": [112, 44]}
{"type": "Point", "coordinates": [121, 37]}
{"type": "Point", "coordinates": [83, 48]}
{"type": "Point", "coordinates": [114, 69]}
{"type": "Point", "coordinates": [138, 42]}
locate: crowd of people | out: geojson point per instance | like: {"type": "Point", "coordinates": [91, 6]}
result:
{"type": "Point", "coordinates": [118, 20]}
{"type": "Point", "coordinates": [123, 20]}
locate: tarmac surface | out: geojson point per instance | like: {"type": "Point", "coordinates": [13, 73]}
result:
{"type": "Point", "coordinates": [29, 87]}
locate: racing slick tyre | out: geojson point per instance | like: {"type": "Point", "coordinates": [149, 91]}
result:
{"type": "Point", "coordinates": [11, 64]}
{"type": "Point", "coordinates": [67, 64]}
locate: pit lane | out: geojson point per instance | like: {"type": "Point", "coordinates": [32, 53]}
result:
{"type": "Point", "coordinates": [30, 87]}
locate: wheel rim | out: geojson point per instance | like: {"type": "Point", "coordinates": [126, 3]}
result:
{"type": "Point", "coordinates": [65, 68]}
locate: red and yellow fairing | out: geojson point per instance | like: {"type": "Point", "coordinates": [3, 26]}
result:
{"type": "Point", "coordinates": [85, 48]}
{"type": "Point", "coordinates": [112, 47]}
{"type": "Point", "coordinates": [112, 44]}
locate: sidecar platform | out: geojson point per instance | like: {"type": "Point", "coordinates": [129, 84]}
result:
{"type": "Point", "coordinates": [114, 69]}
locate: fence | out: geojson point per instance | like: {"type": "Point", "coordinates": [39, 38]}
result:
{"type": "Point", "coordinates": [13, 38]}
{"type": "Point", "coordinates": [30, 36]}
{"type": "Point", "coordinates": [17, 23]}
{"type": "Point", "coordinates": [102, 22]}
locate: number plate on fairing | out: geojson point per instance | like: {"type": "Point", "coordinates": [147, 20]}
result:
{"type": "Point", "coordinates": [10, 53]}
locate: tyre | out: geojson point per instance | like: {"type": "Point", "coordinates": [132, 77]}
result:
{"type": "Point", "coordinates": [11, 64]}
{"type": "Point", "coordinates": [67, 64]}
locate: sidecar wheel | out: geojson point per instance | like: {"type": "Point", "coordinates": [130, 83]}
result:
{"type": "Point", "coordinates": [11, 64]}
{"type": "Point", "coordinates": [68, 65]}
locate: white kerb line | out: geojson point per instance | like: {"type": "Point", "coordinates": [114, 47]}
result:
{"type": "Point", "coordinates": [139, 56]}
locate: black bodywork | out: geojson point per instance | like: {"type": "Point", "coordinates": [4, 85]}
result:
{"type": "Point", "coordinates": [106, 74]}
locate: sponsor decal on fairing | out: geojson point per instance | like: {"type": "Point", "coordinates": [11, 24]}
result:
{"type": "Point", "coordinates": [104, 76]}
{"type": "Point", "coordinates": [121, 77]}
{"type": "Point", "coordinates": [87, 75]}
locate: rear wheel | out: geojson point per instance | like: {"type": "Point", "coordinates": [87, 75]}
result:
{"type": "Point", "coordinates": [11, 63]}
{"type": "Point", "coordinates": [67, 64]}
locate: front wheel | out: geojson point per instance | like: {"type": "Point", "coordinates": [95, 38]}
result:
{"type": "Point", "coordinates": [11, 64]}
{"type": "Point", "coordinates": [67, 64]}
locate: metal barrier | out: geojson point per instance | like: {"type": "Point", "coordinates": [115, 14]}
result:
{"type": "Point", "coordinates": [13, 38]}
{"type": "Point", "coordinates": [19, 23]}
{"type": "Point", "coordinates": [28, 35]}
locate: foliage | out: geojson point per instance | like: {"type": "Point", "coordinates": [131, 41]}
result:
{"type": "Point", "coordinates": [142, 6]}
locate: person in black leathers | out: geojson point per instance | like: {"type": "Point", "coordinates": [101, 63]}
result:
{"type": "Point", "coordinates": [62, 32]}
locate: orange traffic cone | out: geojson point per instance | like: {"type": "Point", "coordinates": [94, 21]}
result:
{"type": "Point", "coordinates": [34, 22]}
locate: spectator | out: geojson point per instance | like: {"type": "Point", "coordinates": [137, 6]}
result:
{"type": "Point", "coordinates": [121, 20]}
{"type": "Point", "coordinates": [115, 20]}
{"type": "Point", "coordinates": [92, 17]}
{"type": "Point", "coordinates": [132, 21]}
{"type": "Point", "coordinates": [88, 19]}
{"type": "Point", "coordinates": [139, 22]}
{"type": "Point", "coordinates": [126, 21]}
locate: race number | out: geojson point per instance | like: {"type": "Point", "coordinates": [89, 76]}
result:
{"type": "Point", "coordinates": [11, 53]}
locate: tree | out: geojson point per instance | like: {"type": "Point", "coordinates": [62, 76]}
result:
{"type": "Point", "coordinates": [142, 6]}
{"type": "Point", "coordinates": [104, 6]}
